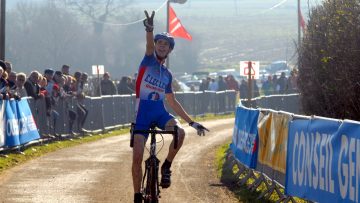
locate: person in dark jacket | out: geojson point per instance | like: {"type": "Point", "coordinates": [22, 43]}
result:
{"type": "Point", "coordinates": [221, 84]}
{"type": "Point", "coordinates": [32, 87]}
{"type": "Point", "coordinates": [243, 89]}
{"type": "Point", "coordinates": [107, 85]}
{"type": "Point", "coordinates": [124, 86]}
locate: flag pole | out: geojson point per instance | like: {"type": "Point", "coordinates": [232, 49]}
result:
{"type": "Point", "coordinates": [167, 28]}
{"type": "Point", "coordinates": [299, 33]}
{"type": "Point", "coordinates": [2, 28]}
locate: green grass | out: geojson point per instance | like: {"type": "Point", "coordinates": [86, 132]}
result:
{"type": "Point", "coordinates": [226, 175]}
{"type": "Point", "coordinates": [14, 158]}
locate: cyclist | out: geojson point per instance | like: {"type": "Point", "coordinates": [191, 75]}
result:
{"type": "Point", "coordinates": [153, 85]}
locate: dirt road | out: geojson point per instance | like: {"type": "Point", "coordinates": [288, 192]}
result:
{"type": "Point", "coordinates": [100, 172]}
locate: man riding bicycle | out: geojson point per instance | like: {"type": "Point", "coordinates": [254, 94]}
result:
{"type": "Point", "coordinates": [153, 85]}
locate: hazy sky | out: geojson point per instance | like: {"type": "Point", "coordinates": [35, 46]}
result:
{"type": "Point", "coordinates": [272, 25]}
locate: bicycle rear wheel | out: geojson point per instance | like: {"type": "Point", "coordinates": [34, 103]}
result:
{"type": "Point", "coordinates": [152, 181]}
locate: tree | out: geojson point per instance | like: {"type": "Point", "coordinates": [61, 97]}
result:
{"type": "Point", "coordinates": [40, 36]}
{"type": "Point", "coordinates": [329, 79]}
{"type": "Point", "coordinates": [99, 11]}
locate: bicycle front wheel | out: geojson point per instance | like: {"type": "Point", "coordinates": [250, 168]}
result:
{"type": "Point", "coordinates": [152, 181]}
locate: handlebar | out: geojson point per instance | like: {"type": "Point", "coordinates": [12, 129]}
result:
{"type": "Point", "coordinates": [152, 130]}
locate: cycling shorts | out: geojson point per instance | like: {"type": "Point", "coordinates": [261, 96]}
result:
{"type": "Point", "coordinates": [151, 112]}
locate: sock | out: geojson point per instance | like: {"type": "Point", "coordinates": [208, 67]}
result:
{"type": "Point", "coordinates": [166, 164]}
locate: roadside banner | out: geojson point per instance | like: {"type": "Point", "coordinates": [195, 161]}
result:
{"type": "Point", "coordinates": [12, 125]}
{"type": "Point", "coordinates": [245, 136]}
{"type": "Point", "coordinates": [323, 160]}
{"type": "Point", "coordinates": [2, 123]}
{"type": "Point", "coordinates": [273, 135]}
{"type": "Point", "coordinates": [27, 127]}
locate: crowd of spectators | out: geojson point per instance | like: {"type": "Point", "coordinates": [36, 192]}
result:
{"type": "Point", "coordinates": [54, 85]}
{"type": "Point", "coordinates": [281, 85]}
{"type": "Point", "coordinates": [51, 86]}
{"type": "Point", "coordinates": [270, 85]}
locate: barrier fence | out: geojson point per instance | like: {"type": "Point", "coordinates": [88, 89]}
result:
{"type": "Point", "coordinates": [314, 158]}
{"type": "Point", "coordinates": [282, 102]}
{"type": "Point", "coordinates": [106, 112]}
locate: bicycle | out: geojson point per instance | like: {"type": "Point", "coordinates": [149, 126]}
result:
{"type": "Point", "coordinates": [151, 188]}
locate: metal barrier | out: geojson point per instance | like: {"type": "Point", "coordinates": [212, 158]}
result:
{"type": "Point", "coordinates": [289, 103]}
{"type": "Point", "coordinates": [108, 112]}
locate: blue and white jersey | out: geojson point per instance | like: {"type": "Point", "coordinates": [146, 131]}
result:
{"type": "Point", "coordinates": [152, 84]}
{"type": "Point", "coordinates": [153, 81]}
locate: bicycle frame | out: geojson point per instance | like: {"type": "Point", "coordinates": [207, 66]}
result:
{"type": "Point", "coordinates": [151, 190]}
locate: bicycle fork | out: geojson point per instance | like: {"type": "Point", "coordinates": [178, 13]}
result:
{"type": "Point", "coordinates": [151, 189]}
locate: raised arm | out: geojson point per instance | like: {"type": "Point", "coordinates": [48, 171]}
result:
{"type": "Point", "coordinates": [149, 27]}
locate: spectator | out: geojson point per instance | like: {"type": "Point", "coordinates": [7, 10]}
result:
{"type": "Point", "coordinates": [54, 96]}
{"type": "Point", "coordinates": [12, 80]}
{"type": "Point", "coordinates": [58, 83]}
{"type": "Point", "coordinates": [204, 84]}
{"type": "Point", "coordinates": [2, 81]}
{"type": "Point", "coordinates": [232, 84]}
{"type": "Point", "coordinates": [255, 89]}
{"type": "Point", "coordinates": [84, 83]}
{"type": "Point", "coordinates": [292, 82]}
{"type": "Point", "coordinates": [71, 112]}
{"type": "Point", "coordinates": [82, 112]}
{"type": "Point", "coordinates": [268, 87]}
{"type": "Point", "coordinates": [107, 85]}
{"type": "Point", "coordinates": [243, 89]}
{"type": "Point", "coordinates": [65, 69]}
{"type": "Point", "coordinates": [49, 74]}
{"type": "Point", "coordinates": [32, 87]}
{"type": "Point", "coordinates": [70, 85]}
{"type": "Point", "coordinates": [221, 83]}
{"type": "Point", "coordinates": [275, 84]}
{"type": "Point", "coordinates": [213, 85]}
{"type": "Point", "coordinates": [77, 76]}
{"type": "Point", "coordinates": [281, 82]}
{"type": "Point", "coordinates": [8, 67]}
{"type": "Point", "coordinates": [4, 84]}
{"type": "Point", "coordinates": [124, 86]}
{"type": "Point", "coordinates": [50, 86]}
{"type": "Point", "coordinates": [42, 85]}
{"type": "Point", "coordinates": [20, 90]}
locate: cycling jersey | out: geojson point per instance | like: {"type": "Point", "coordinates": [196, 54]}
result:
{"type": "Point", "coordinates": [152, 84]}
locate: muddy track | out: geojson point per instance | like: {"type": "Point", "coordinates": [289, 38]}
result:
{"type": "Point", "coordinates": [100, 172]}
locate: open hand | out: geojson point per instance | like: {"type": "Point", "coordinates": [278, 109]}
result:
{"type": "Point", "coordinates": [199, 128]}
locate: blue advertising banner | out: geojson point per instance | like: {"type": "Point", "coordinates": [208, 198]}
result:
{"type": "Point", "coordinates": [27, 127]}
{"type": "Point", "coordinates": [245, 137]}
{"type": "Point", "coordinates": [12, 125]}
{"type": "Point", "coordinates": [323, 160]}
{"type": "Point", "coordinates": [2, 123]}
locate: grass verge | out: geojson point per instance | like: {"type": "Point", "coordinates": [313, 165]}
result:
{"type": "Point", "coordinates": [14, 158]}
{"type": "Point", "coordinates": [226, 175]}
{"type": "Point", "coordinates": [242, 193]}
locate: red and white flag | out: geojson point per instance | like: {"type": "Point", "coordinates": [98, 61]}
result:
{"type": "Point", "coordinates": [302, 21]}
{"type": "Point", "coordinates": [176, 29]}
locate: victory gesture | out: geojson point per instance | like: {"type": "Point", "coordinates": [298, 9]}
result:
{"type": "Point", "coordinates": [149, 21]}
